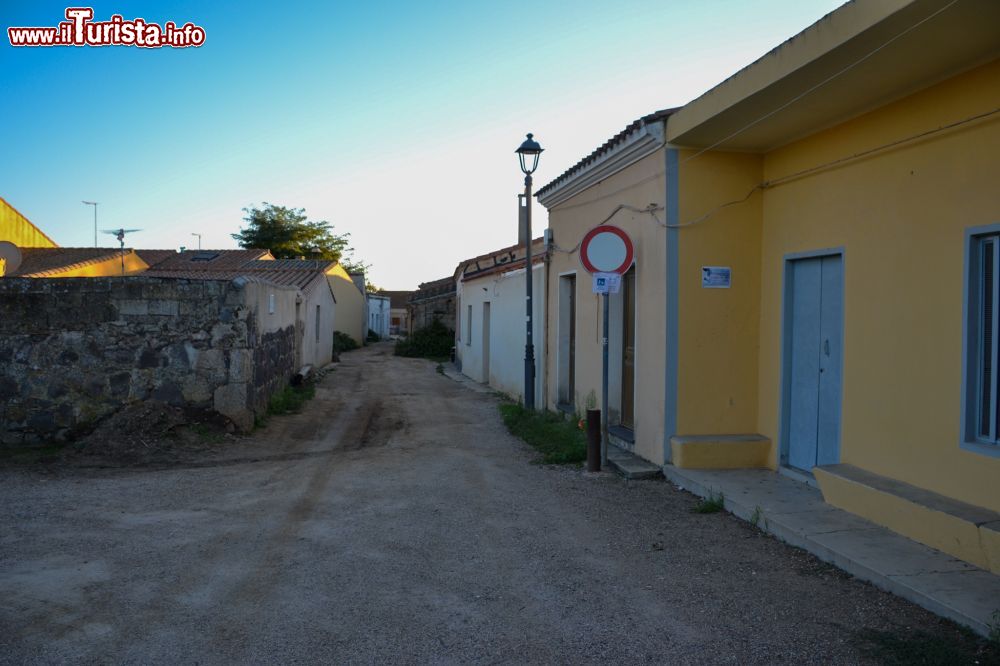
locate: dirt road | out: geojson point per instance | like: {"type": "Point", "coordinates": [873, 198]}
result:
{"type": "Point", "coordinates": [395, 520]}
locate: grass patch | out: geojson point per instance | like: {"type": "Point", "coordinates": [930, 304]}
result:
{"type": "Point", "coordinates": [290, 399]}
{"type": "Point", "coordinates": [920, 648]}
{"type": "Point", "coordinates": [205, 433]}
{"type": "Point", "coordinates": [558, 440]}
{"type": "Point", "coordinates": [287, 401]}
{"type": "Point", "coordinates": [711, 504]}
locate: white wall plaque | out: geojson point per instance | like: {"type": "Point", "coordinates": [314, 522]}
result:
{"type": "Point", "coordinates": [606, 283]}
{"type": "Point", "coordinates": [716, 277]}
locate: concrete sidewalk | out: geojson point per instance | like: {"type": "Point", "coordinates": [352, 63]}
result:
{"type": "Point", "coordinates": [451, 372]}
{"type": "Point", "coordinates": [796, 513]}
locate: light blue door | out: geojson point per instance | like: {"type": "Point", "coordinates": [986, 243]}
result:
{"type": "Point", "coordinates": [815, 330]}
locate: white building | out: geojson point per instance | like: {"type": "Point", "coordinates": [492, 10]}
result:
{"type": "Point", "coordinates": [490, 330]}
{"type": "Point", "coordinates": [378, 315]}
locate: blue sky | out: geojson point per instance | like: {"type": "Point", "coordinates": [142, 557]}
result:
{"type": "Point", "coordinates": [394, 121]}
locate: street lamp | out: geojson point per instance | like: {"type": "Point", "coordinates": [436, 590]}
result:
{"type": "Point", "coordinates": [94, 204]}
{"type": "Point", "coordinates": [528, 155]}
{"type": "Point", "coordinates": [199, 239]}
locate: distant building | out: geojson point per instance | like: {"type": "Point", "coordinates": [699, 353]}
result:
{"type": "Point", "coordinates": [433, 300]}
{"type": "Point", "coordinates": [378, 315]}
{"type": "Point", "coordinates": [399, 313]}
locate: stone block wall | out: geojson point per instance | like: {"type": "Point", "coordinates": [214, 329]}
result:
{"type": "Point", "coordinates": [73, 351]}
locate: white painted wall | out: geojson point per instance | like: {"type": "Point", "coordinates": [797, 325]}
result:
{"type": "Point", "coordinates": [379, 315]}
{"type": "Point", "coordinates": [505, 294]}
{"type": "Point", "coordinates": [274, 305]}
{"type": "Point", "coordinates": [288, 304]}
{"type": "Point", "coordinates": [317, 334]}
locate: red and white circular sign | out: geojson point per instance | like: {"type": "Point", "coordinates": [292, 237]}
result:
{"type": "Point", "coordinates": [607, 249]}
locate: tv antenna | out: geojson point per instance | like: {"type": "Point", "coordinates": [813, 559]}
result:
{"type": "Point", "coordinates": [94, 204]}
{"type": "Point", "coordinates": [120, 235]}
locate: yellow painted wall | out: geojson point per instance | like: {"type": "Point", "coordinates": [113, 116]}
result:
{"type": "Point", "coordinates": [901, 217]}
{"type": "Point", "coordinates": [350, 317]}
{"type": "Point", "coordinates": [718, 328]}
{"type": "Point", "coordinates": [16, 228]}
{"type": "Point", "coordinates": [569, 222]}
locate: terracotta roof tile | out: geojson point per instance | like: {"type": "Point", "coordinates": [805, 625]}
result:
{"type": "Point", "coordinates": [43, 261]}
{"type": "Point", "coordinates": [306, 280]}
{"type": "Point", "coordinates": [153, 257]}
{"type": "Point", "coordinates": [606, 146]}
{"type": "Point", "coordinates": [397, 299]}
{"type": "Point", "coordinates": [503, 259]}
{"type": "Point", "coordinates": [201, 260]}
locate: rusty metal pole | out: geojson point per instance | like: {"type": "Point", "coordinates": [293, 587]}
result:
{"type": "Point", "coordinates": [593, 440]}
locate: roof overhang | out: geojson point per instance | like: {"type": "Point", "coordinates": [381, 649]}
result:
{"type": "Point", "coordinates": [858, 57]}
{"type": "Point", "coordinates": [634, 144]}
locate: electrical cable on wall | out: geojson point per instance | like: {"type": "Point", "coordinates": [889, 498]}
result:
{"type": "Point", "coordinates": [650, 210]}
{"type": "Point", "coordinates": [774, 182]}
{"type": "Point", "coordinates": [645, 180]}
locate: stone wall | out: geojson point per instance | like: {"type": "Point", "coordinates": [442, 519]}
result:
{"type": "Point", "coordinates": [274, 363]}
{"type": "Point", "coordinates": [73, 351]}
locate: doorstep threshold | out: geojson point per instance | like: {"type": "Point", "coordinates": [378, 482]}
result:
{"type": "Point", "coordinates": [631, 466]}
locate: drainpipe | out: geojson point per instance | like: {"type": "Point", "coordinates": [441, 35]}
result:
{"type": "Point", "coordinates": [547, 254]}
{"type": "Point", "coordinates": [672, 214]}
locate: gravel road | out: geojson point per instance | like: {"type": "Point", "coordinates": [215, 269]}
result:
{"type": "Point", "coordinates": [395, 520]}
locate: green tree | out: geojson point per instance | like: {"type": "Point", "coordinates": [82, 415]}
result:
{"type": "Point", "coordinates": [289, 234]}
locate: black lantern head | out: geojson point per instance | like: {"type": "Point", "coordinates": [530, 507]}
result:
{"type": "Point", "coordinates": [528, 153]}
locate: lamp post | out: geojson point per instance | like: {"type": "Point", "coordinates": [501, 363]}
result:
{"type": "Point", "coordinates": [199, 239]}
{"type": "Point", "coordinates": [94, 204]}
{"type": "Point", "coordinates": [528, 155]}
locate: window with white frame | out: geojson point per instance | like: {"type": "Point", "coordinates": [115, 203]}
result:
{"type": "Point", "coordinates": [983, 308]}
{"type": "Point", "coordinates": [468, 327]}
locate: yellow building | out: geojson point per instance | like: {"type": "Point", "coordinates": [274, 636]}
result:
{"type": "Point", "coordinates": [352, 312]}
{"type": "Point", "coordinates": [17, 229]}
{"type": "Point", "coordinates": [815, 283]}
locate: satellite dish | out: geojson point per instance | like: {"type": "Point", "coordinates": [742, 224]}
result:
{"type": "Point", "coordinates": [11, 256]}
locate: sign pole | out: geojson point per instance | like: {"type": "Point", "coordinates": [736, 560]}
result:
{"type": "Point", "coordinates": [604, 385]}
{"type": "Point", "coordinates": [606, 252]}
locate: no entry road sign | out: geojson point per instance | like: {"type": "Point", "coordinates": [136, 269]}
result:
{"type": "Point", "coordinates": [606, 249]}
{"type": "Point", "coordinates": [607, 253]}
